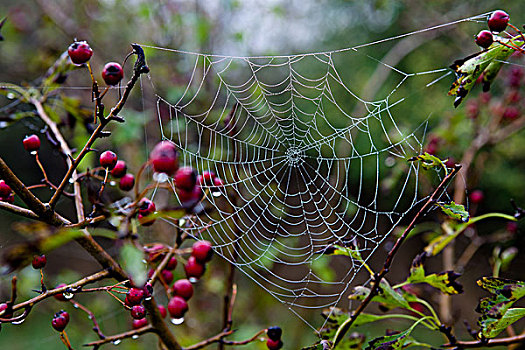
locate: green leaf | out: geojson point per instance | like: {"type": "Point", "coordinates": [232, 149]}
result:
{"type": "Point", "coordinates": [444, 281]}
{"type": "Point", "coordinates": [132, 261]}
{"type": "Point", "coordinates": [387, 296]}
{"type": "Point", "coordinates": [350, 251]}
{"type": "Point", "coordinates": [487, 62]}
{"type": "Point", "coordinates": [429, 161]}
{"type": "Point", "coordinates": [394, 341]}
{"type": "Point", "coordinates": [454, 211]}
{"type": "Point", "coordinates": [495, 310]}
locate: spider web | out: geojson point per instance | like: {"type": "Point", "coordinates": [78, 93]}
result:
{"type": "Point", "coordinates": [304, 158]}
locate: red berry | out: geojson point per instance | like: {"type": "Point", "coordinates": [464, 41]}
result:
{"type": "Point", "coordinates": [127, 182]}
{"type": "Point", "coordinates": [120, 169]}
{"type": "Point", "coordinates": [512, 227]}
{"type": "Point", "coordinates": [185, 178]}
{"type": "Point", "coordinates": [108, 159]}
{"type": "Point", "coordinates": [134, 296]}
{"type": "Point", "coordinates": [218, 182]}
{"type": "Point", "coordinates": [31, 143]}
{"type": "Point", "coordinates": [163, 311]}
{"type": "Point", "coordinates": [172, 263]}
{"type": "Point", "coordinates": [136, 324]}
{"type": "Point", "coordinates": [194, 268]}
{"type": "Point", "coordinates": [498, 21]}
{"type": "Point", "coordinates": [4, 313]}
{"type": "Point", "coordinates": [60, 321]}
{"type": "Point", "coordinates": [39, 261]}
{"type": "Point", "coordinates": [189, 198]}
{"type": "Point", "coordinates": [167, 276]}
{"type": "Point", "coordinates": [164, 158]}
{"type": "Point", "coordinates": [183, 288]}
{"type": "Point", "coordinates": [60, 296]}
{"type": "Point", "coordinates": [511, 113]}
{"type": "Point", "coordinates": [274, 344]}
{"type": "Point", "coordinates": [79, 52]}
{"type": "Point", "coordinates": [112, 73]}
{"type": "Point", "coordinates": [146, 207]}
{"type": "Point", "coordinates": [5, 190]}
{"type": "Point", "coordinates": [202, 251]}
{"type": "Point", "coordinates": [476, 196]}
{"type": "Point", "coordinates": [177, 307]}
{"type": "Point", "coordinates": [138, 312]}
{"type": "Point", "coordinates": [484, 39]}
{"type": "Point", "coordinates": [206, 178]}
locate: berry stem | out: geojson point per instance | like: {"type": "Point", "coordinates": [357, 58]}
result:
{"type": "Point", "coordinates": [146, 329]}
{"type": "Point", "coordinates": [65, 340]}
{"type": "Point", "coordinates": [517, 30]}
{"type": "Point", "coordinates": [96, 327]}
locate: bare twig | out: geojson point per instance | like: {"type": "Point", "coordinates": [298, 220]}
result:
{"type": "Point", "coordinates": [146, 329]}
{"type": "Point", "coordinates": [487, 342]}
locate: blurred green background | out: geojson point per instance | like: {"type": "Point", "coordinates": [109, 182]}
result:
{"type": "Point", "coordinates": [37, 32]}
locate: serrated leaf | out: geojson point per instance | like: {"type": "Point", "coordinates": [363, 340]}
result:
{"type": "Point", "coordinates": [444, 281]}
{"type": "Point", "coordinates": [495, 310]}
{"type": "Point", "coordinates": [387, 296]}
{"type": "Point", "coordinates": [132, 261]}
{"type": "Point", "coordinates": [454, 211]}
{"type": "Point", "coordinates": [487, 62]}
{"type": "Point", "coordinates": [429, 161]}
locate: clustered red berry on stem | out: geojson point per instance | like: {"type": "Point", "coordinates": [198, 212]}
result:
{"type": "Point", "coordinates": [164, 158]}
{"type": "Point", "coordinates": [138, 312]}
{"type": "Point", "coordinates": [39, 261]}
{"type": "Point", "coordinates": [6, 194]}
{"type": "Point", "coordinates": [119, 169]}
{"type": "Point", "coordinates": [177, 307]}
{"type": "Point", "coordinates": [108, 160]}
{"type": "Point", "coordinates": [183, 288]}
{"type": "Point", "coordinates": [31, 143]}
{"type": "Point", "coordinates": [146, 207]}
{"type": "Point", "coordinates": [60, 320]}
{"type": "Point", "coordinates": [79, 52]}
{"type": "Point", "coordinates": [127, 182]}
{"type": "Point", "coordinates": [484, 39]}
{"type": "Point", "coordinates": [498, 21]}
{"type": "Point", "coordinates": [112, 73]}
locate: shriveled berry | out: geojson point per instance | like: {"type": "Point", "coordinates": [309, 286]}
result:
{"type": "Point", "coordinates": [183, 288]}
{"type": "Point", "coordinates": [39, 261]}
{"type": "Point", "coordinates": [202, 251]}
{"type": "Point", "coordinates": [172, 263]}
{"type": "Point", "coordinates": [163, 311]}
{"type": "Point", "coordinates": [185, 178]}
{"type": "Point", "coordinates": [127, 182]}
{"type": "Point", "coordinates": [146, 206]}
{"type": "Point", "coordinates": [108, 159]}
{"type": "Point", "coordinates": [274, 344]}
{"type": "Point", "coordinates": [120, 169]}
{"type": "Point", "coordinates": [476, 196]}
{"type": "Point", "coordinates": [60, 321]}
{"type": "Point", "coordinates": [167, 276]}
{"type": "Point", "coordinates": [5, 190]}
{"type": "Point", "coordinates": [136, 324]}
{"type": "Point", "coordinates": [134, 296]}
{"type": "Point", "coordinates": [112, 73]}
{"type": "Point", "coordinates": [5, 312]}
{"type": "Point", "coordinates": [60, 296]}
{"type": "Point", "coordinates": [138, 312]}
{"type": "Point", "coordinates": [31, 143]}
{"type": "Point", "coordinates": [79, 52]}
{"type": "Point", "coordinates": [484, 39]}
{"type": "Point", "coordinates": [177, 307]}
{"type": "Point", "coordinates": [274, 333]}
{"type": "Point", "coordinates": [498, 21]}
{"type": "Point", "coordinates": [194, 268]}
{"type": "Point", "coordinates": [164, 158]}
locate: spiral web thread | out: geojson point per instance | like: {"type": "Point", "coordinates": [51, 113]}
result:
{"type": "Point", "coordinates": [304, 160]}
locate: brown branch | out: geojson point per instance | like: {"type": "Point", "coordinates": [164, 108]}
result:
{"type": "Point", "coordinates": [244, 342]}
{"type": "Point", "coordinates": [15, 209]}
{"type": "Point", "coordinates": [161, 328]}
{"type": "Point", "coordinates": [215, 339]}
{"type": "Point", "coordinates": [96, 327]}
{"type": "Point", "coordinates": [44, 212]}
{"type": "Point", "coordinates": [146, 329]}
{"type": "Point", "coordinates": [388, 261]}
{"type": "Point", "coordinates": [486, 343]}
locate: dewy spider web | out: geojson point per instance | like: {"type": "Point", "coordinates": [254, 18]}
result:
{"type": "Point", "coordinates": [304, 159]}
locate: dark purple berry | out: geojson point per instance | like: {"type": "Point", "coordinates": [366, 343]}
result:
{"type": "Point", "coordinates": [498, 21]}
{"type": "Point", "coordinates": [112, 73]}
{"type": "Point", "coordinates": [274, 333]}
{"type": "Point", "coordinates": [108, 159]}
{"type": "Point", "coordinates": [79, 52]}
{"type": "Point", "coordinates": [484, 39]}
{"type": "Point", "coordinates": [31, 143]}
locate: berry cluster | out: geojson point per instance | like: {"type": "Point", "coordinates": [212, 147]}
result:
{"type": "Point", "coordinates": [497, 23]}
{"type": "Point", "coordinates": [80, 53]}
{"type": "Point", "coordinates": [6, 194]}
